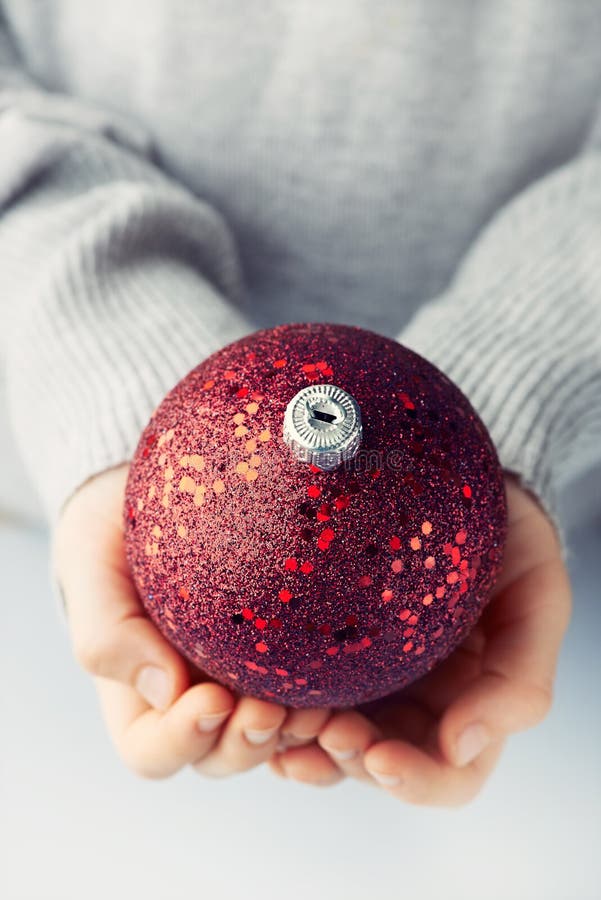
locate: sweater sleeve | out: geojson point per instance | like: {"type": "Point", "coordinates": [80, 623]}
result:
{"type": "Point", "coordinates": [114, 282]}
{"type": "Point", "coordinates": [519, 327]}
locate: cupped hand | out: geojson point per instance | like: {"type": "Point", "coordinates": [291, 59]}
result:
{"type": "Point", "coordinates": [437, 741]}
{"type": "Point", "coordinates": [161, 713]}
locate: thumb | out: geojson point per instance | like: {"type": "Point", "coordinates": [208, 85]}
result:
{"type": "Point", "coordinates": [515, 687]}
{"type": "Point", "coordinates": [111, 634]}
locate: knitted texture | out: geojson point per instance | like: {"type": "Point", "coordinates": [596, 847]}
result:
{"type": "Point", "coordinates": [431, 171]}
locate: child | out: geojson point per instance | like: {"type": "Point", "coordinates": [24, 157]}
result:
{"type": "Point", "coordinates": [176, 175]}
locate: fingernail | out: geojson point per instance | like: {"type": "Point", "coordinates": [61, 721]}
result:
{"type": "Point", "coordinates": [470, 743]}
{"type": "Point", "coordinates": [386, 780]}
{"type": "Point", "coordinates": [341, 754]}
{"type": "Point", "coordinates": [211, 723]}
{"type": "Point", "coordinates": [152, 683]}
{"type": "Point", "coordinates": [259, 737]}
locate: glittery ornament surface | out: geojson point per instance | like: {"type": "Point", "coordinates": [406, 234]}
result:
{"type": "Point", "coordinates": [306, 587]}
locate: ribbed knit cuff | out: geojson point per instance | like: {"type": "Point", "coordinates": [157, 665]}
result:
{"type": "Point", "coordinates": [84, 393]}
{"type": "Point", "coordinates": [519, 331]}
{"type": "Point", "coordinates": [504, 391]}
{"type": "Point", "coordinates": [115, 281]}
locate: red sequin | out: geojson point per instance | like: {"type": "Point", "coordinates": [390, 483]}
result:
{"type": "Point", "coordinates": [323, 513]}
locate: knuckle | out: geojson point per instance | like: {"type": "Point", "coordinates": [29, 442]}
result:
{"type": "Point", "coordinates": [208, 769]}
{"type": "Point", "coordinates": [323, 782]}
{"type": "Point", "coordinates": [539, 701]}
{"type": "Point", "coordinates": [142, 763]}
{"type": "Point", "coordinates": [468, 791]}
{"type": "Point", "coordinates": [466, 798]}
{"type": "Point", "coordinates": [145, 770]}
{"type": "Point", "coordinates": [416, 794]}
{"type": "Point", "coordinates": [91, 654]}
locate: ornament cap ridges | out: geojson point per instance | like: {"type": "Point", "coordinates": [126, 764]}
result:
{"type": "Point", "coordinates": [322, 426]}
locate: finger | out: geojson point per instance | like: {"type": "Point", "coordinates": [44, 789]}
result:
{"type": "Point", "coordinates": [302, 726]}
{"type": "Point", "coordinates": [409, 721]}
{"type": "Point", "coordinates": [415, 776]}
{"type": "Point", "coordinates": [275, 765]}
{"type": "Point", "coordinates": [156, 744]}
{"type": "Point", "coordinates": [112, 636]}
{"type": "Point", "coordinates": [346, 737]}
{"type": "Point", "coordinates": [309, 764]}
{"type": "Point", "coordinates": [249, 739]}
{"type": "Point", "coordinates": [515, 688]}
{"type": "Point", "coordinates": [436, 690]}
{"type": "Point", "coordinates": [531, 536]}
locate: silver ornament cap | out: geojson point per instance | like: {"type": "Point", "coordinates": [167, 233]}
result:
{"type": "Point", "coordinates": [322, 426]}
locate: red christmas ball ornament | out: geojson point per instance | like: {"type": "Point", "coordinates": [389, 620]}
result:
{"type": "Point", "coordinates": [315, 515]}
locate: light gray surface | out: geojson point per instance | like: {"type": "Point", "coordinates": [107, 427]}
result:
{"type": "Point", "coordinates": [75, 824]}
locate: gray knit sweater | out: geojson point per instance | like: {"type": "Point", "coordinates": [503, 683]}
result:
{"type": "Point", "coordinates": [174, 175]}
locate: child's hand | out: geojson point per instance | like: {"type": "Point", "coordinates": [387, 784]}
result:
{"type": "Point", "coordinates": [158, 722]}
{"type": "Point", "coordinates": [436, 742]}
